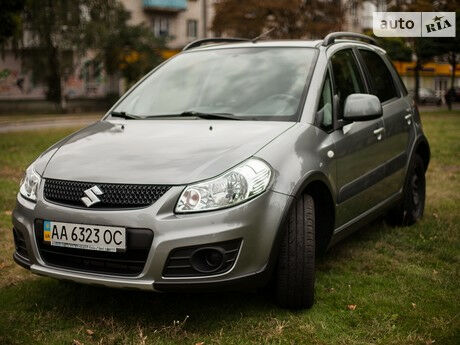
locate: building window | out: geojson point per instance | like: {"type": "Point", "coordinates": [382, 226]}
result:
{"type": "Point", "coordinates": [161, 26]}
{"type": "Point", "coordinates": [192, 28]}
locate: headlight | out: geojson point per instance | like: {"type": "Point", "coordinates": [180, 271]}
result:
{"type": "Point", "coordinates": [29, 184]}
{"type": "Point", "coordinates": [235, 186]}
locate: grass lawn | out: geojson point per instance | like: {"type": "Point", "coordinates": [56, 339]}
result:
{"type": "Point", "coordinates": [404, 282]}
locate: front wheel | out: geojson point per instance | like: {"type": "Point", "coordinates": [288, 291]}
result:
{"type": "Point", "coordinates": [295, 275]}
{"type": "Point", "coordinates": [411, 208]}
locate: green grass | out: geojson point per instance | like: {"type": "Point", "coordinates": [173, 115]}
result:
{"type": "Point", "coordinates": [403, 281]}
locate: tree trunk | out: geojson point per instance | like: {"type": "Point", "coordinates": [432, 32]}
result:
{"type": "Point", "coordinates": [53, 79]}
{"type": "Point", "coordinates": [418, 67]}
{"type": "Point", "coordinates": [453, 63]}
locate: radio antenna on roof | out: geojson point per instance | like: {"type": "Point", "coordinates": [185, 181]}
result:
{"type": "Point", "coordinates": [263, 34]}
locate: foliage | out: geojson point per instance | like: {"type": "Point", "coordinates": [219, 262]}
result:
{"type": "Point", "coordinates": [449, 47]}
{"type": "Point", "coordinates": [396, 47]}
{"type": "Point", "coordinates": [290, 18]}
{"type": "Point", "coordinates": [60, 32]}
{"type": "Point", "coordinates": [131, 50]}
{"type": "Point", "coordinates": [10, 19]}
{"type": "Point", "coordinates": [52, 29]}
{"type": "Point", "coordinates": [424, 48]}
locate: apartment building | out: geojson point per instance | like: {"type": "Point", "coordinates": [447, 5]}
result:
{"type": "Point", "coordinates": [180, 21]}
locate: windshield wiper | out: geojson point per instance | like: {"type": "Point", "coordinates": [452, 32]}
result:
{"type": "Point", "coordinates": [124, 115]}
{"type": "Point", "coordinates": [218, 116]}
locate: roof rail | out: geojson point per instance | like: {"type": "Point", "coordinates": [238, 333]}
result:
{"type": "Point", "coordinates": [329, 39]}
{"type": "Point", "coordinates": [202, 41]}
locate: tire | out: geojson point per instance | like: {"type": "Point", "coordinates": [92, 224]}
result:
{"type": "Point", "coordinates": [412, 205]}
{"type": "Point", "coordinates": [295, 274]}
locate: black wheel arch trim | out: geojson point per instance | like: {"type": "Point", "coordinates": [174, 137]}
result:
{"type": "Point", "coordinates": [310, 178]}
{"type": "Point", "coordinates": [421, 141]}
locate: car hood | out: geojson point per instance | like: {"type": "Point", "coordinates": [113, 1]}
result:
{"type": "Point", "coordinates": [159, 151]}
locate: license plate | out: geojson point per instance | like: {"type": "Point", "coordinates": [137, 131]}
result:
{"type": "Point", "coordinates": [84, 236]}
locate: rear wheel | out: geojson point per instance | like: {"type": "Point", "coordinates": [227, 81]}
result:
{"type": "Point", "coordinates": [295, 276]}
{"type": "Point", "coordinates": [411, 208]}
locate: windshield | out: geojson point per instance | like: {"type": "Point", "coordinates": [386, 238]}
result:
{"type": "Point", "coordinates": [252, 83]}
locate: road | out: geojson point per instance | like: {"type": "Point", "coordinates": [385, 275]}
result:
{"type": "Point", "coordinates": [12, 125]}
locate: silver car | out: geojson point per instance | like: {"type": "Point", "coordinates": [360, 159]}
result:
{"type": "Point", "coordinates": [231, 165]}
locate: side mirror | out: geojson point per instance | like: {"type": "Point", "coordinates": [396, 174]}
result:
{"type": "Point", "coordinates": [362, 107]}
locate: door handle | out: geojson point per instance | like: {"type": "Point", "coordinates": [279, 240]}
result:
{"type": "Point", "coordinates": [408, 118]}
{"type": "Point", "coordinates": [378, 132]}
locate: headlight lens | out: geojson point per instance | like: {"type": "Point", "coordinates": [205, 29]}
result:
{"type": "Point", "coordinates": [235, 186]}
{"type": "Point", "coordinates": [29, 184]}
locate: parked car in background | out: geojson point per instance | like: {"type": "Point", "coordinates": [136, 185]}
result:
{"type": "Point", "coordinates": [427, 96]}
{"type": "Point", "coordinates": [230, 165]}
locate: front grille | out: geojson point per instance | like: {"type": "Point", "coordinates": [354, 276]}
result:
{"type": "Point", "coordinates": [179, 263]}
{"type": "Point", "coordinates": [20, 244]}
{"type": "Point", "coordinates": [113, 195]}
{"type": "Point", "coordinates": [128, 263]}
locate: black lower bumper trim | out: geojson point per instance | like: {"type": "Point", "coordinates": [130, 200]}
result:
{"type": "Point", "coordinates": [21, 261]}
{"type": "Point", "coordinates": [250, 281]}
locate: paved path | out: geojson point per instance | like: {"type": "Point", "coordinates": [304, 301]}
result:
{"type": "Point", "coordinates": [46, 123]}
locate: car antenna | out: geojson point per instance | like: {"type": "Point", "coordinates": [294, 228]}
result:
{"type": "Point", "coordinates": [263, 34]}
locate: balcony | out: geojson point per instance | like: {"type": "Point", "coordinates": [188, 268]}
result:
{"type": "Point", "coordinates": [165, 5]}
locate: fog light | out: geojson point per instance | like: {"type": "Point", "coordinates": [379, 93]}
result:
{"type": "Point", "coordinates": [207, 260]}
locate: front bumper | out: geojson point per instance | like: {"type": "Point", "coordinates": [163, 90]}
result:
{"type": "Point", "coordinates": [255, 222]}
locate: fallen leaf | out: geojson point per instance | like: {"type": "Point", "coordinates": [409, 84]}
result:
{"type": "Point", "coordinates": [89, 332]}
{"type": "Point", "coordinates": [351, 306]}
{"type": "Point", "coordinates": [76, 342]}
{"type": "Point", "coordinates": [200, 343]}
{"type": "Point", "coordinates": [429, 342]}
{"type": "Point", "coordinates": [435, 272]}
{"type": "Point", "coordinates": [8, 213]}
{"type": "Point", "coordinates": [435, 215]}
{"type": "Point", "coordinates": [414, 305]}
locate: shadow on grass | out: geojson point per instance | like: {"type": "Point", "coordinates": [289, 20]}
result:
{"type": "Point", "coordinates": [204, 311]}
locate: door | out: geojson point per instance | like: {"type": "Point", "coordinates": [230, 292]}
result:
{"type": "Point", "coordinates": [359, 153]}
{"type": "Point", "coordinates": [397, 117]}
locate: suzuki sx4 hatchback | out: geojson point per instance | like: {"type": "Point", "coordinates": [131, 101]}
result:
{"type": "Point", "coordinates": [231, 165]}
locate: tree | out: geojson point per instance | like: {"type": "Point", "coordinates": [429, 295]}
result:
{"type": "Point", "coordinates": [288, 18]}
{"type": "Point", "coordinates": [10, 19]}
{"type": "Point", "coordinates": [450, 46]}
{"type": "Point", "coordinates": [396, 48]}
{"type": "Point", "coordinates": [129, 50]}
{"type": "Point", "coordinates": [58, 32]}
{"type": "Point", "coordinates": [424, 48]}
{"type": "Point", "coordinates": [54, 29]}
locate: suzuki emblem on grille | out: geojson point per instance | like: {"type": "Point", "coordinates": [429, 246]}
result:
{"type": "Point", "coordinates": [91, 196]}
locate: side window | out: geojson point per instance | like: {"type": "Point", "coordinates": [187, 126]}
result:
{"type": "Point", "coordinates": [325, 105]}
{"type": "Point", "coordinates": [347, 77]}
{"type": "Point", "coordinates": [383, 85]}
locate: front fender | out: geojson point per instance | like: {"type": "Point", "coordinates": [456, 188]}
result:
{"type": "Point", "coordinates": [300, 156]}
